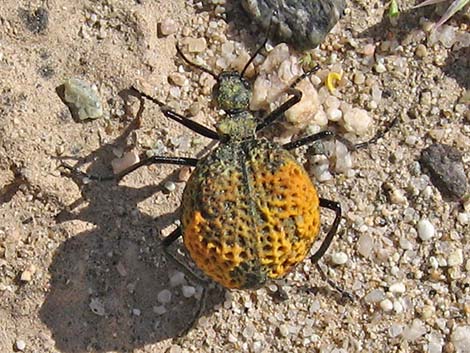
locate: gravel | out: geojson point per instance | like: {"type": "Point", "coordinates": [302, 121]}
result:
{"type": "Point", "coordinates": [406, 247]}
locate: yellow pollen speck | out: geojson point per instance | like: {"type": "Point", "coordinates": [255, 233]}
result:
{"type": "Point", "coordinates": [331, 80]}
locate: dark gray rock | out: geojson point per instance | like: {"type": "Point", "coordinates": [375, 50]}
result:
{"type": "Point", "coordinates": [304, 23]}
{"type": "Point", "coordinates": [444, 166]}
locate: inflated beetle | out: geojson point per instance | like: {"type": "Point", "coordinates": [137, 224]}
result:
{"type": "Point", "coordinates": [250, 212]}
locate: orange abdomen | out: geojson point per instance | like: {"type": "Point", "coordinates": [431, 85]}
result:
{"type": "Point", "coordinates": [250, 213]}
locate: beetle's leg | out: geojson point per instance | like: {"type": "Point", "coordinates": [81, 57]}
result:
{"type": "Point", "coordinates": [323, 135]}
{"type": "Point", "coordinates": [334, 206]}
{"type": "Point", "coordinates": [190, 63]}
{"type": "Point", "coordinates": [296, 97]}
{"type": "Point", "coordinates": [277, 113]}
{"type": "Point", "coordinates": [190, 124]}
{"type": "Point", "coordinates": [170, 239]}
{"type": "Point", "coordinates": [148, 161]}
{"type": "Point", "coordinates": [378, 135]}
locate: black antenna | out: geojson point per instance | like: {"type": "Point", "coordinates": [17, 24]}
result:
{"type": "Point", "coordinates": [261, 46]}
{"type": "Point", "coordinates": [253, 57]}
{"type": "Point", "coordinates": [189, 62]}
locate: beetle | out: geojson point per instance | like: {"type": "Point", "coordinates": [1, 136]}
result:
{"type": "Point", "coordinates": [250, 211]}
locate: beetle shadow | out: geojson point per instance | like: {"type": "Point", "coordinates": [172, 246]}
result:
{"type": "Point", "coordinates": [105, 280]}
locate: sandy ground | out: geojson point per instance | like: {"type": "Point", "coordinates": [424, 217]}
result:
{"type": "Point", "coordinates": [79, 262]}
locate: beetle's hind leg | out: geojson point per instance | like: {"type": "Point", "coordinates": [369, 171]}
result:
{"type": "Point", "coordinates": [336, 207]}
{"type": "Point", "coordinates": [169, 240]}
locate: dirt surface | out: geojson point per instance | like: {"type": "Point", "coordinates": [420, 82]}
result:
{"type": "Point", "coordinates": [81, 269]}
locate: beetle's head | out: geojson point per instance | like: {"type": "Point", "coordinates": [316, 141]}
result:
{"type": "Point", "coordinates": [232, 92]}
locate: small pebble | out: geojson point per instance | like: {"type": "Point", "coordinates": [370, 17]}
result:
{"type": "Point", "coordinates": [249, 331]}
{"type": "Point", "coordinates": [463, 218]}
{"type": "Point", "coordinates": [428, 312]}
{"type": "Point", "coordinates": [368, 50]}
{"type": "Point", "coordinates": [160, 310]}
{"type": "Point", "coordinates": [380, 68]}
{"type": "Point", "coordinates": [395, 330]}
{"type": "Point", "coordinates": [168, 26]}
{"type": "Point", "coordinates": [82, 98]}
{"type": "Point", "coordinates": [339, 258]}
{"type": "Point", "coordinates": [414, 331]}
{"type": "Point", "coordinates": [405, 244]}
{"type": "Point", "coordinates": [175, 349]}
{"type": "Point", "coordinates": [359, 78]}
{"type": "Point", "coordinates": [188, 291]}
{"type": "Point", "coordinates": [302, 23]}
{"type": "Point", "coordinates": [184, 174]}
{"type": "Point", "coordinates": [386, 305]}
{"type": "Point", "coordinates": [375, 296]}
{"type": "Point", "coordinates": [460, 338]}
{"type": "Point", "coordinates": [357, 120]}
{"type": "Point", "coordinates": [397, 196]}
{"type": "Point", "coordinates": [27, 274]}
{"type": "Point", "coordinates": [334, 114]}
{"type": "Point", "coordinates": [411, 140]}
{"type": "Point", "coordinates": [397, 307]}
{"type": "Point", "coordinates": [397, 288]}
{"type": "Point", "coordinates": [421, 51]}
{"type": "Point", "coordinates": [128, 159]}
{"type": "Point", "coordinates": [169, 186]}
{"type": "Point", "coordinates": [177, 279]}
{"type": "Point", "coordinates": [164, 296]}
{"type": "Point", "coordinates": [425, 230]}
{"type": "Point", "coordinates": [455, 258]}
{"type": "Point", "coordinates": [194, 108]}
{"type": "Point", "coordinates": [449, 348]}
{"type": "Point", "coordinates": [433, 262]}
{"type": "Point", "coordinates": [332, 102]}
{"type": "Point", "coordinates": [376, 94]}
{"type": "Point", "coordinates": [196, 45]}
{"type": "Point", "coordinates": [177, 78]}
{"type": "Point", "coordinates": [284, 330]}
{"type": "Point", "coordinates": [365, 245]}
{"type": "Point", "coordinates": [443, 164]}
{"type": "Point", "coordinates": [136, 312]}
{"type": "Point", "coordinates": [435, 344]}
{"type": "Point", "coordinates": [97, 307]}
{"type": "Point", "coordinates": [20, 345]}
{"type": "Point", "coordinates": [320, 168]}
{"type": "Point", "coordinates": [121, 269]}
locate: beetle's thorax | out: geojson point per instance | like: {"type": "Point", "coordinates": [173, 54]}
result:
{"type": "Point", "coordinates": [237, 126]}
